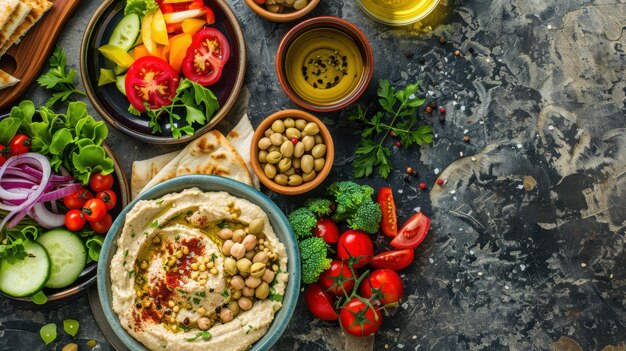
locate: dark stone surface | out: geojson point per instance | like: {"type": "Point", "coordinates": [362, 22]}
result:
{"type": "Point", "coordinates": [504, 266]}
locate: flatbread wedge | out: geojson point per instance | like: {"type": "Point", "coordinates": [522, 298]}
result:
{"type": "Point", "coordinates": [38, 9]}
{"type": "Point", "coordinates": [144, 171]}
{"type": "Point", "coordinates": [7, 80]}
{"type": "Point", "coordinates": [209, 154]}
{"type": "Point", "coordinates": [16, 19]}
{"type": "Point", "coordinates": [7, 7]}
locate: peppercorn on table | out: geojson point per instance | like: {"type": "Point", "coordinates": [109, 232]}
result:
{"type": "Point", "coordinates": [523, 180]}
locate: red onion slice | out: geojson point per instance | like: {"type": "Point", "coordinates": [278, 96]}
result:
{"type": "Point", "coordinates": [45, 218]}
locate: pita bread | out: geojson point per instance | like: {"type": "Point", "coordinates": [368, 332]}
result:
{"type": "Point", "coordinates": [7, 80]}
{"type": "Point", "coordinates": [38, 8]}
{"type": "Point", "coordinates": [17, 18]}
{"type": "Point", "coordinates": [145, 170]}
{"type": "Point", "coordinates": [241, 137]}
{"type": "Point", "coordinates": [7, 7]}
{"type": "Point", "coordinates": [209, 154]}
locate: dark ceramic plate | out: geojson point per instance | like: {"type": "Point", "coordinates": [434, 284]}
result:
{"type": "Point", "coordinates": [113, 106]}
{"type": "Point", "coordinates": [88, 276]}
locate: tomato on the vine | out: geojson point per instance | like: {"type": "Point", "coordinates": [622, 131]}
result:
{"type": "Point", "coordinates": [76, 200]}
{"type": "Point", "coordinates": [74, 220]}
{"type": "Point", "coordinates": [319, 303]}
{"type": "Point", "coordinates": [393, 259]}
{"type": "Point", "coordinates": [357, 246]}
{"type": "Point", "coordinates": [99, 182]}
{"type": "Point", "coordinates": [327, 229]}
{"type": "Point", "coordinates": [206, 56]}
{"type": "Point", "coordinates": [108, 197]}
{"type": "Point", "coordinates": [383, 285]}
{"type": "Point", "coordinates": [20, 144]}
{"type": "Point", "coordinates": [102, 226]}
{"type": "Point", "coordinates": [412, 233]}
{"type": "Point", "coordinates": [337, 280]}
{"type": "Point", "coordinates": [389, 223]}
{"type": "Point", "coordinates": [94, 210]}
{"type": "Point", "coordinates": [360, 319]}
{"type": "Point", "coordinates": [3, 154]}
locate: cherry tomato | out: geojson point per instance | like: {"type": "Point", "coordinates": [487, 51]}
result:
{"type": "Point", "coordinates": [102, 226]}
{"type": "Point", "coordinates": [359, 319]}
{"type": "Point", "coordinates": [76, 200]}
{"type": "Point", "coordinates": [337, 280]}
{"type": "Point", "coordinates": [393, 259]}
{"type": "Point", "coordinates": [412, 232]}
{"type": "Point", "coordinates": [94, 210]}
{"type": "Point", "coordinates": [74, 220]}
{"type": "Point", "coordinates": [206, 56]}
{"type": "Point", "coordinates": [3, 154]}
{"type": "Point", "coordinates": [327, 229]}
{"type": "Point", "coordinates": [319, 303]}
{"type": "Point", "coordinates": [389, 224]}
{"type": "Point", "coordinates": [150, 80]}
{"type": "Point", "coordinates": [99, 182]}
{"type": "Point", "coordinates": [108, 197]}
{"type": "Point", "coordinates": [20, 144]}
{"type": "Point", "coordinates": [383, 285]}
{"type": "Point", "coordinates": [357, 245]}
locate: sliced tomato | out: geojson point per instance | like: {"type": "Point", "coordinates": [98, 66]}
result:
{"type": "Point", "coordinates": [180, 6]}
{"type": "Point", "coordinates": [412, 232]}
{"type": "Point", "coordinates": [393, 259]}
{"type": "Point", "coordinates": [151, 80]}
{"type": "Point", "coordinates": [206, 57]}
{"type": "Point", "coordinates": [389, 224]}
{"type": "Point", "coordinates": [319, 303]}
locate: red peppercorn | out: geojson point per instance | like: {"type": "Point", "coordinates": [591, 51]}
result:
{"type": "Point", "coordinates": [409, 170]}
{"type": "Point", "coordinates": [440, 181]}
{"type": "Point", "coordinates": [423, 186]}
{"type": "Point", "coordinates": [429, 109]}
{"type": "Point", "coordinates": [442, 110]}
{"type": "Point", "coordinates": [294, 141]}
{"type": "Point", "coordinates": [398, 144]}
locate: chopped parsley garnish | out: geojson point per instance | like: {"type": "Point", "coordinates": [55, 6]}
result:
{"type": "Point", "coordinates": [222, 224]}
{"type": "Point", "coordinates": [125, 252]}
{"type": "Point", "coordinates": [225, 293]}
{"type": "Point", "coordinates": [202, 294]}
{"type": "Point", "coordinates": [154, 224]}
{"type": "Point", "coordinates": [276, 297]}
{"type": "Point", "coordinates": [196, 300]}
{"type": "Point", "coordinates": [130, 273]}
{"type": "Point", "coordinates": [213, 256]}
{"type": "Point", "coordinates": [205, 335]}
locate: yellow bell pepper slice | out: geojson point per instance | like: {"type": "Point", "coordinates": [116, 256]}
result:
{"type": "Point", "coordinates": [116, 55]}
{"type": "Point", "coordinates": [192, 25]}
{"type": "Point", "coordinates": [146, 33]}
{"type": "Point", "coordinates": [159, 28]}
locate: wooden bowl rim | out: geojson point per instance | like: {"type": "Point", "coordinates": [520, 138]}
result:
{"type": "Point", "coordinates": [282, 17]}
{"type": "Point", "coordinates": [305, 187]}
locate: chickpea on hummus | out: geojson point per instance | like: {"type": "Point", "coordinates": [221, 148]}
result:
{"type": "Point", "coordinates": [198, 271]}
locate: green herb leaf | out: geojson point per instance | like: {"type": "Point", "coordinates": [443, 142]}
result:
{"type": "Point", "coordinates": [140, 7]}
{"type": "Point", "coordinates": [205, 335]}
{"type": "Point", "coordinates": [48, 333]}
{"type": "Point", "coordinates": [58, 80]}
{"type": "Point", "coordinates": [94, 245]}
{"type": "Point", "coordinates": [71, 326]}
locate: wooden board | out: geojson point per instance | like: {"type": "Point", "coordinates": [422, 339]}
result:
{"type": "Point", "coordinates": [26, 59]}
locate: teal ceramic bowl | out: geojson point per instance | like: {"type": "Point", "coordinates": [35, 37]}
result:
{"type": "Point", "coordinates": [206, 183]}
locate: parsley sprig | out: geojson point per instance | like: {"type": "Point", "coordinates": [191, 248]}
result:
{"type": "Point", "coordinates": [198, 103]}
{"type": "Point", "coordinates": [60, 81]}
{"type": "Point", "coordinates": [398, 115]}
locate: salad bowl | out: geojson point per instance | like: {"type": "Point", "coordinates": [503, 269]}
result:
{"type": "Point", "coordinates": [113, 106]}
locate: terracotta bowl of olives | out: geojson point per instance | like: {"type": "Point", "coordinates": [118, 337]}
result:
{"type": "Point", "coordinates": [282, 10]}
{"type": "Point", "coordinates": [292, 152]}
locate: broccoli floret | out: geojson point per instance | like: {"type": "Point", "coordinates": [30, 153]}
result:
{"type": "Point", "coordinates": [349, 196]}
{"type": "Point", "coordinates": [366, 218]}
{"type": "Point", "coordinates": [321, 207]}
{"type": "Point", "coordinates": [313, 259]}
{"type": "Point", "coordinates": [302, 221]}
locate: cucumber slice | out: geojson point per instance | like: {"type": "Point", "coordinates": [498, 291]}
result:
{"type": "Point", "coordinates": [120, 83]}
{"type": "Point", "coordinates": [68, 256]}
{"type": "Point", "coordinates": [25, 277]}
{"type": "Point", "coordinates": [126, 33]}
{"type": "Point", "coordinates": [119, 70]}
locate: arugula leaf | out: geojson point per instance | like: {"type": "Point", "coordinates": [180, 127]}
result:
{"type": "Point", "coordinates": [398, 115]}
{"type": "Point", "coordinates": [58, 79]}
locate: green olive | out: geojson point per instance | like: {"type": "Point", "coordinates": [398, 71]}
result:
{"type": "Point", "coordinates": [291, 171]}
{"type": "Point", "coordinates": [298, 150]}
{"type": "Point", "coordinates": [256, 226]}
{"type": "Point", "coordinates": [311, 128]}
{"type": "Point", "coordinates": [295, 180]}
{"type": "Point", "coordinates": [284, 164]}
{"type": "Point", "coordinates": [299, 4]}
{"type": "Point", "coordinates": [274, 157]}
{"type": "Point", "coordinates": [273, 9]}
{"type": "Point", "coordinates": [319, 164]}
{"type": "Point", "coordinates": [268, 132]}
{"type": "Point", "coordinates": [307, 163]}
{"type": "Point", "coordinates": [301, 123]}
{"type": "Point", "coordinates": [281, 179]}
{"type": "Point", "coordinates": [273, 148]}
{"type": "Point", "coordinates": [276, 139]}
{"type": "Point", "coordinates": [263, 156]}
{"type": "Point", "coordinates": [296, 162]}
{"type": "Point", "coordinates": [243, 265]}
{"type": "Point", "coordinates": [289, 123]}
{"type": "Point", "coordinates": [269, 170]}
{"type": "Point", "coordinates": [318, 151]}
{"type": "Point", "coordinates": [292, 133]}
{"type": "Point", "coordinates": [319, 139]}
{"type": "Point", "coordinates": [278, 126]}
{"type": "Point", "coordinates": [287, 148]}
{"type": "Point", "coordinates": [230, 265]}
{"type": "Point", "coordinates": [307, 177]}
{"type": "Point", "coordinates": [309, 142]}
{"type": "Point", "coordinates": [264, 143]}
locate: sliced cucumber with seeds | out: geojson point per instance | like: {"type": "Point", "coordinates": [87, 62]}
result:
{"type": "Point", "coordinates": [120, 82]}
{"type": "Point", "coordinates": [68, 256]}
{"type": "Point", "coordinates": [126, 33]}
{"type": "Point", "coordinates": [25, 277]}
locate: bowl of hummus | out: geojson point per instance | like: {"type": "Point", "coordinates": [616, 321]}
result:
{"type": "Point", "coordinates": [199, 263]}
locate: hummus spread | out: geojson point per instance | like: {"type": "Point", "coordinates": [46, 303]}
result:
{"type": "Point", "coordinates": [198, 271]}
